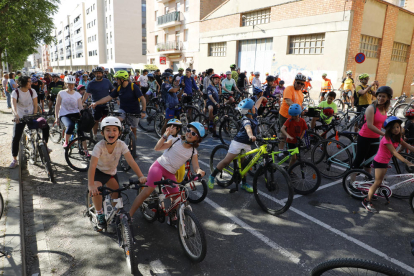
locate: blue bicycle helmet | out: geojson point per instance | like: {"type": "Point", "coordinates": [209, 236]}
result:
{"type": "Point", "coordinates": [295, 110]}
{"type": "Point", "coordinates": [245, 105]}
{"type": "Point", "coordinates": [200, 128]}
{"type": "Point", "coordinates": [257, 90]}
{"type": "Point", "coordinates": [150, 75]}
{"type": "Point", "coordinates": [34, 79]}
{"type": "Point", "coordinates": [391, 119]}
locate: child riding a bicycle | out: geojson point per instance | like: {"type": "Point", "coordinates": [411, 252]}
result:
{"type": "Point", "coordinates": [176, 152]}
{"type": "Point", "coordinates": [326, 114]}
{"type": "Point", "coordinates": [104, 161]}
{"type": "Point", "coordinates": [242, 141]}
{"type": "Point", "coordinates": [294, 127]}
{"type": "Point", "coordinates": [387, 149]}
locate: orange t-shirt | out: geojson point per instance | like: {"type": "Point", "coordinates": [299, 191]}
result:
{"type": "Point", "coordinates": [326, 85]}
{"type": "Point", "coordinates": [251, 78]}
{"type": "Point", "coordinates": [290, 93]}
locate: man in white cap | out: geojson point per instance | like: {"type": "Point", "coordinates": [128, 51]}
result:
{"type": "Point", "coordinates": [256, 80]}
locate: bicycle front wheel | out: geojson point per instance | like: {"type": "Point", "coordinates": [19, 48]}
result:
{"type": "Point", "coordinates": [76, 156]}
{"type": "Point", "coordinates": [354, 177]}
{"type": "Point", "coordinates": [305, 177]}
{"type": "Point", "coordinates": [158, 124]}
{"type": "Point", "coordinates": [225, 177]}
{"type": "Point", "coordinates": [353, 267]}
{"type": "Point", "coordinates": [55, 132]}
{"type": "Point", "coordinates": [228, 130]}
{"type": "Point", "coordinates": [128, 245]}
{"type": "Point", "coordinates": [197, 191]}
{"type": "Point", "coordinates": [192, 237]}
{"type": "Point", "coordinates": [47, 163]}
{"type": "Point", "coordinates": [272, 189]}
{"type": "Point", "coordinates": [339, 105]}
{"type": "Point", "coordinates": [147, 123]}
{"type": "Point", "coordinates": [401, 187]}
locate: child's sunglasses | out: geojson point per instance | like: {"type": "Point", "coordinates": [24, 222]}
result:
{"type": "Point", "coordinates": [192, 132]}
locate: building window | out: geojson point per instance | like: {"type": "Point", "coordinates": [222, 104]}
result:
{"type": "Point", "coordinates": [369, 46]}
{"type": "Point", "coordinates": [94, 22]}
{"type": "Point", "coordinates": [399, 52]}
{"type": "Point", "coordinates": [156, 15]}
{"type": "Point", "coordinates": [107, 40]}
{"type": "Point", "coordinates": [187, 5]}
{"type": "Point", "coordinates": [217, 49]}
{"type": "Point", "coordinates": [177, 6]}
{"type": "Point", "coordinates": [167, 9]}
{"type": "Point", "coordinates": [307, 44]}
{"type": "Point", "coordinates": [402, 3]}
{"type": "Point", "coordinates": [94, 6]}
{"type": "Point", "coordinates": [186, 35]}
{"type": "Point", "coordinates": [256, 18]}
{"type": "Point", "coordinates": [111, 54]}
{"type": "Point", "coordinates": [152, 60]}
{"type": "Point", "coordinates": [156, 39]}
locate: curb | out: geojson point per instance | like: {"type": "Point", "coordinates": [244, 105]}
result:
{"type": "Point", "coordinates": [22, 228]}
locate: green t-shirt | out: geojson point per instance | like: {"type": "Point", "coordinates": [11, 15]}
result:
{"type": "Point", "coordinates": [325, 104]}
{"type": "Point", "coordinates": [228, 84]}
{"type": "Point", "coordinates": [234, 75]}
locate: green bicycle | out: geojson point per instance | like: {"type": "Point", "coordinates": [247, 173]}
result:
{"type": "Point", "coordinates": [271, 184]}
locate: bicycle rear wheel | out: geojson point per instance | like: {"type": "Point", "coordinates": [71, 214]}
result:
{"type": "Point", "coordinates": [272, 189]}
{"type": "Point", "coordinates": [353, 267]}
{"type": "Point", "coordinates": [55, 131]}
{"type": "Point", "coordinates": [339, 105]}
{"type": "Point", "coordinates": [225, 178]}
{"type": "Point", "coordinates": [191, 236]}
{"type": "Point", "coordinates": [147, 123]}
{"type": "Point", "coordinates": [305, 177]}
{"type": "Point", "coordinates": [228, 130]}
{"type": "Point", "coordinates": [128, 245]}
{"type": "Point", "coordinates": [399, 189]}
{"type": "Point", "coordinates": [75, 155]}
{"type": "Point", "coordinates": [47, 163]}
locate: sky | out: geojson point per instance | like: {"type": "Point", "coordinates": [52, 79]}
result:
{"type": "Point", "coordinates": [65, 7]}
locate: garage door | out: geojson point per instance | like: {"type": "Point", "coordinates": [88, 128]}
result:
{"type": "Point", "coordinates": [256, 55]}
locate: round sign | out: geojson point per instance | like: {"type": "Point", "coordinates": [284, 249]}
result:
{"type": "Point", "coordinates": [360, 58]}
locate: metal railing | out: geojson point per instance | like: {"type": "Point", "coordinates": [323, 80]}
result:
{"type": "Point", "coordinates": [169, 17]}
{"type": "Point", "coordinates": [170, 46]}
{"type": "Point", "coordinates": [79, 47]}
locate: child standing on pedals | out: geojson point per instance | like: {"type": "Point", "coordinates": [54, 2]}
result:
{"type": "Point", "coordinates": [213, 102]}
{"type": "Point", "coordinates": [387, 149]}
{"type": "Point", "coordinates": [242, 141]}
{"type": "Point", "coordinates": [294, 127]}
{"type": "Point", "coordinates": [104, 161]}
{"type": "Point", "coordinates": [176, 152]}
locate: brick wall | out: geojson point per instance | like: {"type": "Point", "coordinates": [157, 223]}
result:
{"type": "Point", "coordinates": [207, 6]}
{"type": "Point", "coordinates": [386, 44]}
{"type": "Point", "coordinates": [356, 25]}
{"type": "Point", "coordinates": [409, 73]}
{"type": "Point", "coordinates": [226, 22]}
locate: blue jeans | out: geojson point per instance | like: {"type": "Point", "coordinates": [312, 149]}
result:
{"type": "Point", "coordinates": [69, 123]}
{"type": "Point", "coordinates": [8, 96]}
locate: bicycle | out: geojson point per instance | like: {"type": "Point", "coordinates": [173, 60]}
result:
{"type": "Point", "coordinates": [162, 203]}
{"type": "Point", "coordinates": [345, 266]}
{"type": "Point", "coordinates": [276, 186]}
{"type": "Point", "coordinates": [33, 146]}
{"type": "Point", "coordinates": [117, 216]}
{"type": "Point", "coordinates": [307, 101]}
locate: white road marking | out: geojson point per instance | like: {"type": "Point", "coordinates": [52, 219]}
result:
{"type": "Point", "coordinates": [158, 268]}
{"type": "Point", "coordinates": [320, 188]}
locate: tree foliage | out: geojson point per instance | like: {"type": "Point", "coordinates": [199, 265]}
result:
{"type": "Point", "coordinates": [25, 25]}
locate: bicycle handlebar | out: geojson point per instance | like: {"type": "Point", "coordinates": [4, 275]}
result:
{"type": "Point", "coordinates": [172, 182]}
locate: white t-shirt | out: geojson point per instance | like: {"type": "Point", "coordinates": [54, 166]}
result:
{"type": "Point", "coordinates": [256, 82]}
{"type": "Point", "coordinates": [143, 80]}
{"type": "Point", "coordinates": [172, 159]}
{"type": "Point", "coordinates": [107, 162]}
{"type": "Point", "coordinates": [25, 104]}
{"type": "Point", "coordinates": [69, 103]}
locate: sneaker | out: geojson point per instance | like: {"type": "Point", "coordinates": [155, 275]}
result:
{"type": "Point", "coordinates": [247, 187]}
{"type": "Point", "coordinates": [210, 182]}
{"type": "Point", "coordinates": [368, 205]}
{"type": "Point", "coordinates": [101, 221]}
{"type": "Point", "coordinates": [65, 145]}
{"type": "Point", "coordinates": [13, 164]}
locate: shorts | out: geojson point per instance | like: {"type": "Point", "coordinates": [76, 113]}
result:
{"type": "Point", "coordinates": [378, 165]}
{"type": "Point", "coordinates": [282, 120]}
{"type": "Point", "coordinates": [51, 97]}
{"type": "Point", "coordinates": [348, 93]}
{"type": "Point", "coordinates": [170, 113]}
{"type": "Point", "coordinates": [144, 90]}
{"type": "Point", "coordinates": [205, 96]}
{"type": "Point", "coordinates": [103, 177]}
{"type": "Point", "coordinates": [150, 93]}
{"type": "Point", "coordinates": [187, 99]}
{"type": "Point", "coordinates": [322, 94]}
{"type": "Point", "coordinates": [214, 107]}
{"type": "Point", "coordinates": [133, 121]}
{"type": "Point", "coordinates": [40, 97]}
{"type": "Point", "coordinates": [99, 112]}
{"type": "Point", "coordinates": [156, 173]}
{"type": "Point", "coordinates": [237, 147]}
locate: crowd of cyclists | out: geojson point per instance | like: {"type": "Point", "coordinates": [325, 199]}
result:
{"type": "Point", "coordinates": [66, 95]}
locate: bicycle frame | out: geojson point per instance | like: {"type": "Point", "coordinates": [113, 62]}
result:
{"type": "Point", "coordinates": [342, 164]}
{"type": "Point", "coordinates": [262, 150]}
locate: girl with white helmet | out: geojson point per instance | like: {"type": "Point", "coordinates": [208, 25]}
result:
{"type": "Point", "coordinates": [68, 107]}
{"type": "Point", "coordinates": [242, 141]}
{"type": "Point", "coordinates": [104, 162]}
{"type": "Point", "coordinates": [176, 152]}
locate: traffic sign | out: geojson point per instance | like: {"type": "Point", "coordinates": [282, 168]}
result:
{"type": "Point", "coordinates": [360, 58]}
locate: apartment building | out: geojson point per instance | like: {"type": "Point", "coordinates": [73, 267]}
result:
{"type": "Point", "coordinates": [173, 28]}
{"type": "Point", "coordinates": [313, 37]}
{"type": "Point", "coordinates": [46, 66]}
{"type": "Point", "coordinates": [98, 32]}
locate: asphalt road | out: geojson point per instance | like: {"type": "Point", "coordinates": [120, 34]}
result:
{"type": "Point", "coordinates": [241, 238]}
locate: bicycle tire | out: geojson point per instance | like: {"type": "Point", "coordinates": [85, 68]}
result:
{"type": "Point", "coordinates": [75, 158]}
{"type": "Point", "coordinates": [343, 264]}
{"type": "Point", "coordinates": [55, 132]}
{"type": "Point", "coordinates": [411, 201]}
{"type": "Point", "coordinates": [226, 177]}
{"type": "Point", "coordinates": [47, 163]}
{"type": "Point", "coordinates": [228, 130]}
{"type": "Point", "coordinates": [399, 111]}
{"type": "Point", "coordinates": [266, 131]}
{"type": "Point", "coordinates": [344, 138]}
{"type": "Point", "coordinates": [122, 161]}
{"type": "Point", "coordinates": [263, 189]}
{"type": "Point", "coordinates": [147, 124]}
{"type": "Point", "coordinates": [193, 228]}
{"type": "Point", "coordinates": [321, 157]}
{"type": "Point", "coordinates": [33, 153]}
{"type": "Point", "coordinates": [146, 211]}
{"type": "Point", "coordinates": [310, 139]}
{"type": "Point", "coordinates": [1, 205]}
{"type": "Point", "coordinates": [305, 169]}
{"type": "Point", "coordinates": [158, 124]}
{"type": "Point", "coordinates": [404, 190]}
{"type": "Point", "coordinates": [197, 191]}
{"type": "Point", "coordinates": [347, 179]}
{"type": "Point", "coordinates": [128, 245]}
{"type": "Point", "coordinates": [339, 105]}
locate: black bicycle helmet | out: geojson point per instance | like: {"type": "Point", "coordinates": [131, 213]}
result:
{"type": "Point", "coordinates": [385, 89]}
{"type": "Point", "coordinates": [98, 69]}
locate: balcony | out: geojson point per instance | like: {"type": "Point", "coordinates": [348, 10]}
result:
{"type": "Point", "coordinates": [67, 43]}
{"type": "Point", "coordinates": [169, 20]}
{"type": "Point", "coordinates": [77, 24]}
{"type": "Point", "coordinates": [162, 1]}
{"type": "Point", "coordinates": [79, 47]}
{"type": "Point", "coordinates": [170, 47]}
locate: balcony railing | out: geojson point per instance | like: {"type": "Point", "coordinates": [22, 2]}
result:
{"type": "Point", "coordinates": [77, 24]}
{"type": "Point", "coordinates": [79, 47]}
{"type": "Point", "coordinates": [172, 17]}
{"type": "Point", "coordinates": [170, 46]}
{"type": "Point", "coordinates": [162, 1]}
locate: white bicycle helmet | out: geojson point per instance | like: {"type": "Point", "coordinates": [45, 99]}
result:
{"type": "Point", "coordinates": [111, 121]}
{"type": "Point", "coordinates": [70, 79]}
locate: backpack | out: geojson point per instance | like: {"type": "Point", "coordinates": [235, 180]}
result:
{"type": "Point", "coordinates": [356, 96]}
{"type": "Point", "coordinates": [87, 121]}
{"type": "Point", "coordinates": [119, 87]}
{"type": "Point", "coordinates": [17, 92]}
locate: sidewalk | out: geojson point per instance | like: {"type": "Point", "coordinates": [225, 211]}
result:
{"type": "Point", "coordinates": [11, 223]}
